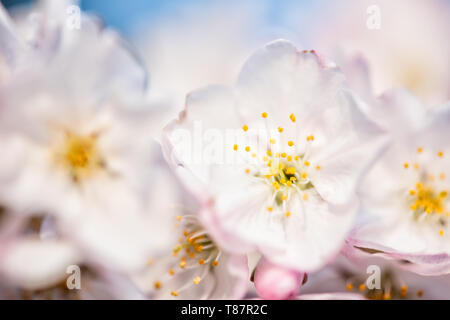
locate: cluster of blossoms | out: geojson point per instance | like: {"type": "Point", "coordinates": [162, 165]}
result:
{"type": "Point", "coordinates": [295, 176]}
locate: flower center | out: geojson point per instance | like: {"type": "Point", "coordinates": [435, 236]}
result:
{"type": "Point", "coordinates": [80, 155]}
{"type": "Point", "coordinates": [284, 165]}
{"type": "Point", "coordinates": [389, 287]}
{"type": "Point", "coordinates": [428, 199]}
{"type": "Point", "coordinates": [194, 257]}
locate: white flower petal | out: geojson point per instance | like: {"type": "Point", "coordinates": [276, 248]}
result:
{"type": "Point", "coordinates": [34, 264]}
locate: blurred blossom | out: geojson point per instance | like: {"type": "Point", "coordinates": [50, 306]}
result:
{"type": "Point", "coordinates": [195, 265]}
{"type": "Point", "coordinates": [32, 264]}
{"type": "Point", "coordinates": [275, 282]}
{"type": "Point", "coordinates": [358, 273]}
{"type": "Point", "coordinates": [410, 49]}
{"type": "Point", "coordinates": [78, 126]}
{"type": "Point", "coordinates": [405, 202]}
{"type": "Point", "coordinates": [292, 182]}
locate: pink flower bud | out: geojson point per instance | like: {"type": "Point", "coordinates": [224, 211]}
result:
{"type": "Point", "coordinates": [273, 282]}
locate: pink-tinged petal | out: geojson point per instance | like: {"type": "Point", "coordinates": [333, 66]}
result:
{"type": "Point", "coordinates": [273, 282]}
{"type": "Point", "coordinates": [423, 264]}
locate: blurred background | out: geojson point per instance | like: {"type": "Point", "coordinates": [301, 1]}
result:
{"type": "Point", "coordinates": [189, 44]}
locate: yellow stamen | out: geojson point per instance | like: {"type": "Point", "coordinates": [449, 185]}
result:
{"type": "Point", "coordinates": [157, 285]}
{"type": "Point", "coordinates": [292, 117]}
{"type": "Point", "coordinates": [197, 280]}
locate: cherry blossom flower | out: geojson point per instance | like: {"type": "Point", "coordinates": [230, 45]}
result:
{"type": "Point", "coordinates": [196, 267]}
{"type": "Point", "coordinates": [79, 131]}
{"type": "Point", "coordinates": [302, 147]}
{"type": "Point", "coordinates": [405, 201]}
{"type": "Point", "coordinates": [371, 276]}
{"type": "Point", "coordinates": [404, 42]}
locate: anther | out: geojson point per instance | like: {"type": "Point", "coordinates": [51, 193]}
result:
{"type": "Point", "coordinates": [197, 280]}
{"type": "Point", "coordinates": [292, 117]}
